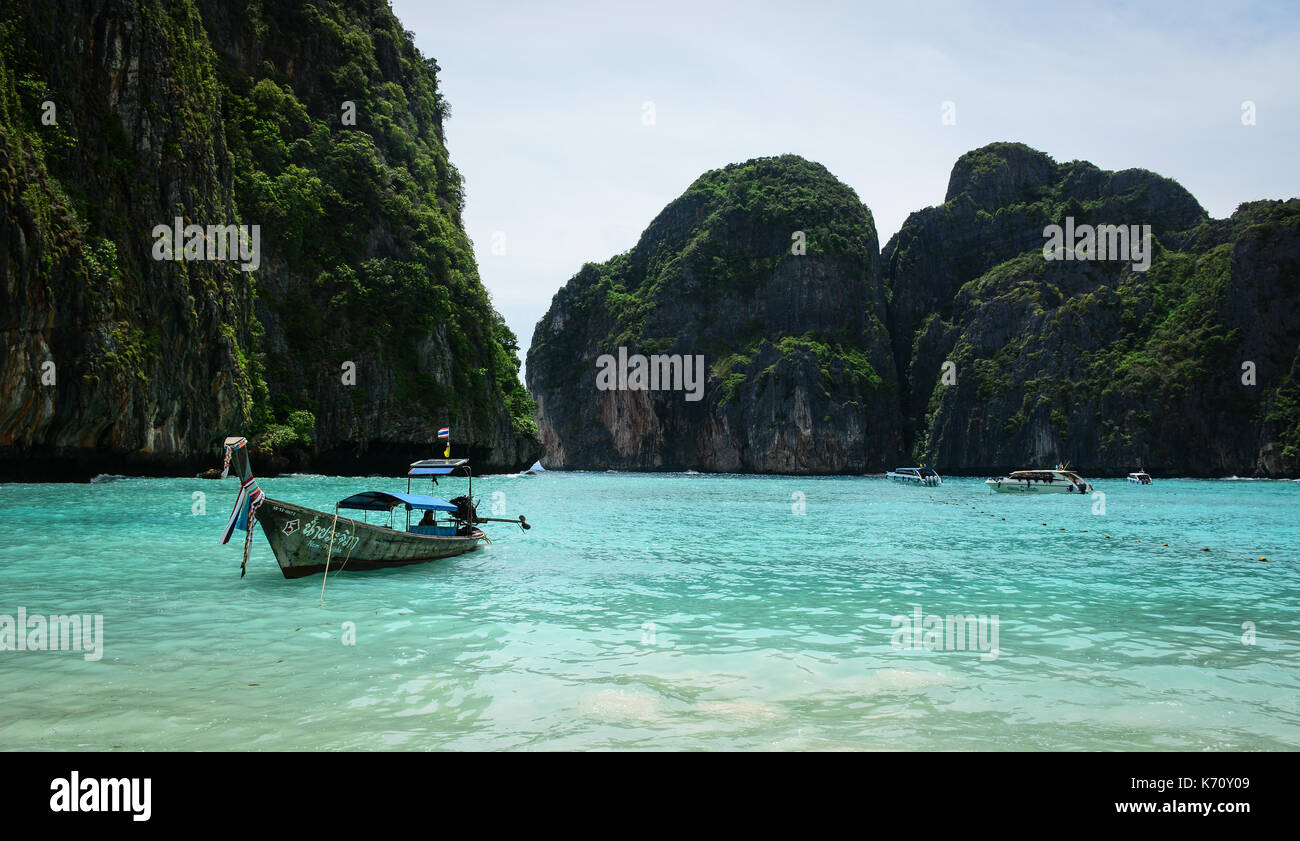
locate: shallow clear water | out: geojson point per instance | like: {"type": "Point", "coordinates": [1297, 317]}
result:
{"type": "Point", "coordinates": [670, 612]}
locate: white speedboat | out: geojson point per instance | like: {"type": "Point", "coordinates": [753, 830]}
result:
{"type": "Point", "coordinates": [916, 476]}
{"type": "Point", "coordinates": [1058, 481]}
{"type": "Point", "coordinates": [1140, 478]}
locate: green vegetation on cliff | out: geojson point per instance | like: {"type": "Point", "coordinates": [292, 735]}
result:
{"type": "Point", "coordinates": [724, 237]}
{"type": "Point", "coordinates": [347, 174]}
{"type": "Point", "coordinates": [1181, 356]}
{"type": "Point", "coordinates": [321, 124]}
{"type": "Point", "coordinates": [80, 176]}
{"type": "Point", "coordinates": [767, 269]}
{"type": "Point", "coordinates": [1095, 361]}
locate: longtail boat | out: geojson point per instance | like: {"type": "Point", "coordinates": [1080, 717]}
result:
{"type": "Point", "coordinates": [306, 541]}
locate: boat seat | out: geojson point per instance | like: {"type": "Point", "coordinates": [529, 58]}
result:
{"type": "Point", "coordinates": [435, 531]}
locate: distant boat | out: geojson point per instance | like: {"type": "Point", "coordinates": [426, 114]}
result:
{"type": "Point", "coordinates": [306, 541]}
{"type": "Point", "coordinates": [1040, 482]}
{"type": "Point", "coordinates": [1140, 478]}
{"type": "Point", "coordinates": [916, 476]}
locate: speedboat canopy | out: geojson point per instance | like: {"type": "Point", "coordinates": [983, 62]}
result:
{"type": "Point", "coordinates": [435, 466]}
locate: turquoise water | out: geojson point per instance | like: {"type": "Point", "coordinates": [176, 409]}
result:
{"type": "Point", "coordinates": [670, 612]}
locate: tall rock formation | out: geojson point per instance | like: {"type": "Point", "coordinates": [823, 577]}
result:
{"type": "Point", "coordinates": [364, 326]}
{"type": "Point", "coordinates": [1091, 361]}
{"type": "Point", "coordinates": [769, 270]}
{"type": "Point", "coordinates": [110, 123]}
{"type": "Point", "coordinates": [963, 347]}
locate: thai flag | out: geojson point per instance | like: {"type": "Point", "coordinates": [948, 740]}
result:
{"type": "Point", "coordinates": [445, 432]}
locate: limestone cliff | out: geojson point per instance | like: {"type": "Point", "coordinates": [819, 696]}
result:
{"type": "Point", "coordinates": [962, 346]}
{"type": "Point", "coordinates": [769, 270]}
{"type": "Point", "coordinates": [109, 124]}
{"type": "Point", "coordinates": [364, 325]}
{"type": "Point", "coordinates": [1094, 361]}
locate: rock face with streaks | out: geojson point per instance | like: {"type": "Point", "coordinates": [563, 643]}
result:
{"type": "Point", "coordinates": [112, 360]}
{"type": "Point", "coordinates": [362, 325]}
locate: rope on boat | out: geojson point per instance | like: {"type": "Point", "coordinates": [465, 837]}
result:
{"type": "Point", "coordinates": [328, 555]}
{"type": "Point", "coordinates": [348, 556]}
{"type": "Point", "coordinates": [248, 535]}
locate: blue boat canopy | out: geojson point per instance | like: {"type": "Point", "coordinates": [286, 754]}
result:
{"type": "Point", "coordinates": [386, 501]}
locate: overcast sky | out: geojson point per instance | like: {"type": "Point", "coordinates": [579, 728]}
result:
{"type": "Point", "coordinates": [575, 123]}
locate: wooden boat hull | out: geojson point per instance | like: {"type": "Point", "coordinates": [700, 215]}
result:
{"type": "Point", "coordinates": [300, 539]}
